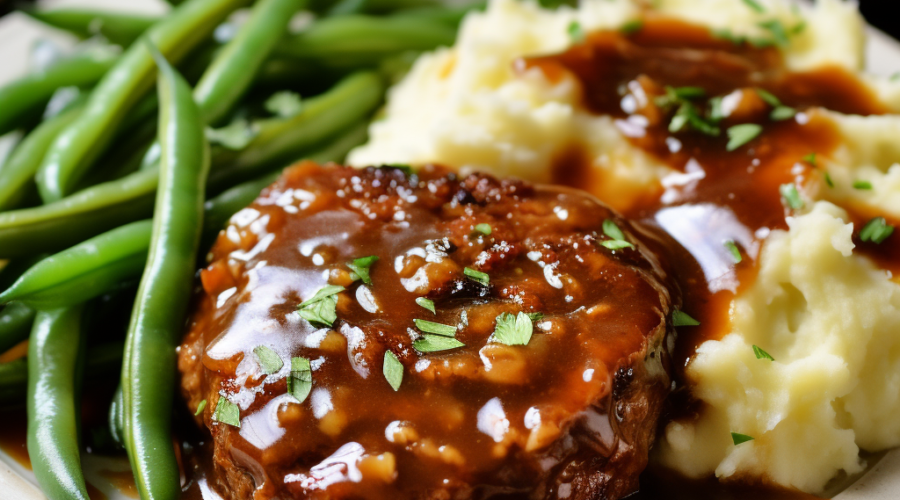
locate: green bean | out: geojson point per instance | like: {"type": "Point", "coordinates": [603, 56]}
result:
{"type": "Point", "coordinates": [281, 140]}
{"type": "Point", "coordinates": [359, 40]}
{"type": "Point", "coordinates": [120, 28]}
{"type": "Point", "coordinates": [87, 213]}
{"type": "Point", "coordinates": [18, 172]}
{"type": "Point", "coordinates": [75, 150]}
{"type": "Point", "coordinates": [84, 271]}
{"type": "Point", "coordinates": [234, 68]}
{"type": "Point", "coordinates": [28, 95]}
{"type": "Point", "coordinates": [116, 417]}
{"type": "Point", "coordinates": [15, 323]}
{"type": "Point", "coordinates": [148, 370]}
{"type": "Point", "coordinates": [55, 366]}
{"type": "Point", "coordinates": [97, 209]}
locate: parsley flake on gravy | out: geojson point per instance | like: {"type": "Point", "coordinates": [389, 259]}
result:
{"type": "Point", "coordinates": [513, 330]}
{"type": "Point", "coordinates": [299, 383]}
{"type": "Point", "coordinates": [435, 328]}
{"type": "Point", "coordinates": [617, 241]}
{"type": "Point", "coordinates": [680, 318]}
{"type": "Point", "coordinates": [268, 359]}
{"type": "Point", "coordinates": [790, 196]}
{"type": "Point", "coordinates": [740, 135]}
{"type": "Point", "coordinates": [426, 303]}
{"type": "Point", "coordinates": [227, 413]}
{"type": "Point", "coordinates": [478, 276]}
{"type": "Point", "coordinates": [876, 230]}
{"type": "Point", "coordinates": [320, 308]}
{"type": "Point", "coordinates": [393, 370]}
{"type": "Point", "coordinates": [360, 268]}
{"type": "Point", "coordinates": [483, 228]}
{"type": "Point", "coordinates": [436, 343]}
{"type": "Point", "coordinates": [200, 408]}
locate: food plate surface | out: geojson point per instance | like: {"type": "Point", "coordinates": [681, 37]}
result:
{"type": "Point", "coordinates": [111, 475]}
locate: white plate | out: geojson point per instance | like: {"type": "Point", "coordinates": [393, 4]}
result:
{"type": "Point", "coordinates": [17, 34]}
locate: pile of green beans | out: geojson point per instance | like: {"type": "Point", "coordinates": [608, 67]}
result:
{"type": "Point", "coordinates": [121, 187]}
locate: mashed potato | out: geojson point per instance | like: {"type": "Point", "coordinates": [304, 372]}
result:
{"type": "Point", "coordinates": [827, 315]}
{"type": "Point", "coordinates": [830, 319]}
{"type": "Point", "coordinates": [467, 106]}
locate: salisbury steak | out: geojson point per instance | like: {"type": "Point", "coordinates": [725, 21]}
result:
{"type": "Point", "coordinates": [541, 373]}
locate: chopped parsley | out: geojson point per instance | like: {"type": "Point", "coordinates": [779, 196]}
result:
{"type": "Point", "coordinates": [435, 328]}
{"type": "Point", "coordinates": [828, 180]}
{"type": "Point", "coordinates": [268, 359]}
{"type": "Point", "coordinates": [716, 110]}
{"type": "Point", "coordinates": [360, 268]}
{"type": "Point", "coordinates": [227, 413]}
{"type": "Point", "coordinates": [436, 343]}
{"type": "Point", "coordinates": [618, 240]}
{"type": "Point", "coordinates": [811, 159]}
{"type": "Point", "coordinates": [393, 370]}
{"type": "Point", "coordinates": [768, 97]}
{"type": "Point", "coordinates": [632, 27]}
{"type": "Point", "coordinates": [536, 316]}
{"type": "Point", "coordinates": [790, 196]}
{"type": "Point", "coordinates": [735, 252]}
{"type": "Point", "coordinates": [320, 309]}
{"type": "Point", "coordinates": [200, 408]}
{"type": "Point", "coordinates": [680, 318]}
{"type": "Point", "coordinates": [761, 354]}
{"type": "Point", "coordinates": [483, 228]}
{"type": "Point", "coordinates": [284, 104]}
{"type": "Point", "coordinates": [782, 113]}
{"type": "Point", "coordinates": [478, 276]}
{"type": "Point", "coordinates": [876, 230]}
{"type": "Point", "coordinates": [513, 330]}
{"type": "Point", "coordinates": [426, 303]}
{"type": "Point", "coordinates": [753, 4]}
{"type": "Point", "coordinates": [740, 438]}
{"type": "Point", "coordinates": [299, 383]}
{"type": "Point", "coordinates": [740, 135]}
{"type": "Point", "coordinates": [612, 230]}
{"type": "Point", "coordinates": [865, 185]}
{"type": "Point", "coordinates": [575, 32]}
{"type": "Point", "coordinates": [778, 32]}
{"type": "Point", "coordinates": [689, 116]}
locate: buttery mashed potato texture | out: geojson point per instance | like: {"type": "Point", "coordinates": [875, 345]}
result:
{"type": "Point", "coordinates": [829, 317]}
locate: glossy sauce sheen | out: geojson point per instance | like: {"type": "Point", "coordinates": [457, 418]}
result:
{"type": "Point", "coordinates": [715, 195]}
{"type": "Point", "coordinates": [483, 419]}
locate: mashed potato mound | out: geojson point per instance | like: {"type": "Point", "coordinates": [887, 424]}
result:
{"type": "Point", "coordinates": [831, 320]}
{"type": "Point", "coordinates": [829, 317]}
{"type": "Point", "coordinates": [467, 106]}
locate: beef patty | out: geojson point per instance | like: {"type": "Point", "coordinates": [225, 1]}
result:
{"type": "Point", "coordinates": [300, 409]}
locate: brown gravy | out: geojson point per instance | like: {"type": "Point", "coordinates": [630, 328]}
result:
{"type": "Point", "coordinates": [737, 196]}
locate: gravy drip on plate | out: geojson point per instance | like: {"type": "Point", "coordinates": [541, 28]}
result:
{"type": "Point", "coordinates": [715, 195]}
